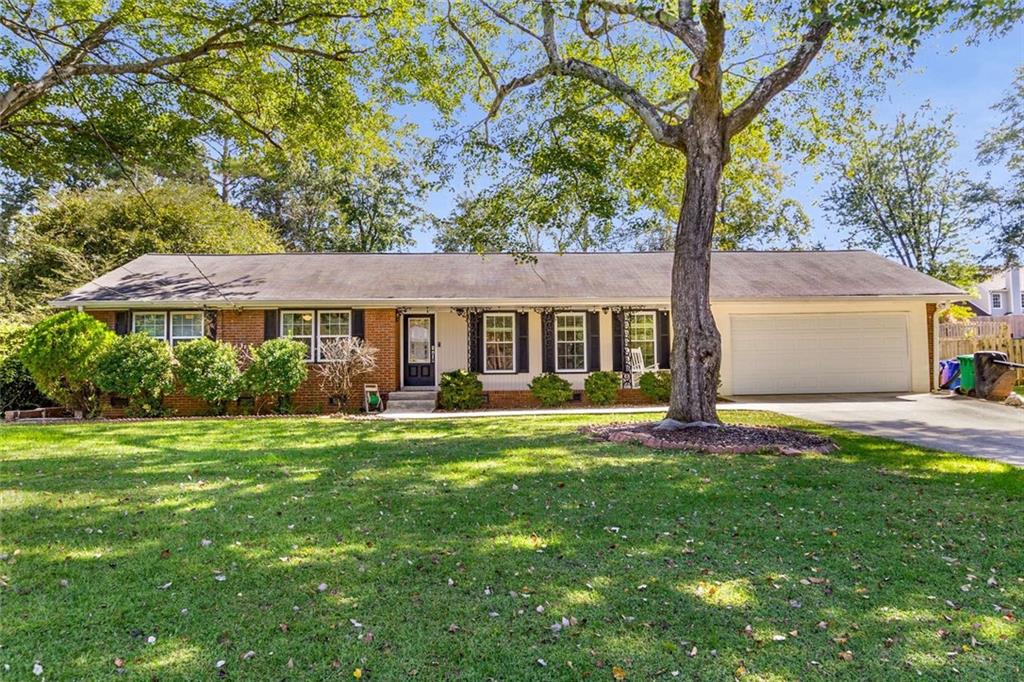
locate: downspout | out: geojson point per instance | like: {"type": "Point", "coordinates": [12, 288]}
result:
{"type": "Point", "coordinates": [936, 345]}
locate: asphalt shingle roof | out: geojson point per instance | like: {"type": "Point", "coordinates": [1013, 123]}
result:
{"type": "Point", "coordinates": [593, 277]}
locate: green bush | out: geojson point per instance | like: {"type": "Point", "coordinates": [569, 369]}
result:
{"type": "Point", "coordinates": [208, 370]}
{"type": "Point", "coordinates": [461, 390]}
{"type": "Point", "coordinates": [277, 369]}
{"type": "Point", "coordinates": [657, 385]}
{"type": "Point", "coordinates": [61, 353]}
{"type": "Point", "coordinates": [602, 388]}
{"type": "Point", "coordinates": [551, 390]}
{"type": "Point", "coordinates": [137, 367]}
{"type": "Point", "coordinates": [17, 389]}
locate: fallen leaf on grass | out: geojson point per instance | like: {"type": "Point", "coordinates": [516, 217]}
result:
{"type": "Point", "coordinates": [618, 673]}
{"type": "Point", "coordinates": [846, 656]}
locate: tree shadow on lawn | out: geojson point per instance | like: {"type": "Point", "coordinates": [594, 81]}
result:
{"type": "Point", "coordinates": [652, 553]}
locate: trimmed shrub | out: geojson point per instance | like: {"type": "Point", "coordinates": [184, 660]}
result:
{"type": "Point", "coordinates": [61, 353]}
{"type": "Point", "coordinates": [277, 368]}
{"type": "Point", "coordinates": [657, 385]}
{"type": "Point", "coordinates": [17, 389]}
{"type": "Point", "coordinates": [461, 390]}
{"type": "Point", "coordinates": [208, 370]}
{"type": "Point", "coordinates": [602, 388]}
{"type": "Point", "coordinates": [551, 390]}
{"type": "Point", "coordinates": [137, 367]}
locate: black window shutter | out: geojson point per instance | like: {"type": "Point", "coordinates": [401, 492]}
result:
{"type": "Point", "coordinates": [522, 343]}
{"type": "Point", "coordinates": [664, 346]}
{"type": "Point", "coordinates": [617, 342]}
{"type": "Point", "coordinates": [359, 324]}
{"type": "Point", "coordinates": [547, 322]}
{"type": "Point", "coordinates": [593, 342]}
{"type": "Point", "coordinates": [210, 324]}
{"type": "Point", "coordinates": [475, 328]}
{"type": "Point", "coordinates": [271, 325]}
{"type": "Point", "coordinates": [123, 322]}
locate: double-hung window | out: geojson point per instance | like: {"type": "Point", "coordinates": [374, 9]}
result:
{"type": "Point", "coordinates": [151, 324]}
{"type": "Point", "coordinates": [570, 342]}
{"type": "Point", "coordinates": [997, 300]}
{"type": "Point", "coordinates": [499, 342]}
{"type": "Point", "coordinates": [297, 325]}
{"type": "Point", "coordinates": [643, 335]}
{"type": "Point", "coordinates": [186, 326]}
{"type": "Point", "coordinates": [332, 325]}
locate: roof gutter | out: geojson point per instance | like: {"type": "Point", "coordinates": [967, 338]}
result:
{"type": "Point", "coordinates": [470, 302]}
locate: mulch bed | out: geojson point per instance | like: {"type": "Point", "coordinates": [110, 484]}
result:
{"type": "Point", "coordinates": [719, 440]}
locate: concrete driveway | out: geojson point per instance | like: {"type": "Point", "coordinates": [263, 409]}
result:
{"type": "Point", "coordinates": [945, 422]}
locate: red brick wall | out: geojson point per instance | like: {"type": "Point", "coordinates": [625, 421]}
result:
{"type": "Point", "coordinates": [245, 328]}
{"type": "Point", "coordinates": [107, 317]}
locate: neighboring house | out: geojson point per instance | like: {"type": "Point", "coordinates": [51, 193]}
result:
{"type": "Point", "coordinates": [1000, 294]}
{"type": "Point", "coordinates": [791, 322]}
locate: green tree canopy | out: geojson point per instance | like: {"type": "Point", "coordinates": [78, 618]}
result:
{"type": "Point", "coordinates": [562, 170]}
{"type": "Point", "coordinates": [89, 89]}
{"type": "Point", "coordinates": [896, 192]}
{"type": "Point", "coordinates": [77, 235]}
{"type": "Point", "coordinates": [320, 205]}
{"type": "Point", "coordinates": [1003, 206]}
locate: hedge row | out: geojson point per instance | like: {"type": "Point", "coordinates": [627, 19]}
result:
{"type": "Point", "coordinates": [73, 358]}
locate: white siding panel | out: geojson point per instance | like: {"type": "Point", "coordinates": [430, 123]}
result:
{"type": "Point", "coordinates": [820, 353]}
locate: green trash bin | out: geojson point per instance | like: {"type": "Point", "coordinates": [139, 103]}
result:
{"type": "Point", "coordinates": [966, 373]}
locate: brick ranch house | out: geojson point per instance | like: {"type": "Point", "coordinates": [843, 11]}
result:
{"type": "Point", "coordinates": [791, 322]}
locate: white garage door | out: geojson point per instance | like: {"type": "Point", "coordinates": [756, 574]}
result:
{"type": "Point", "coordinates": [841, 353]}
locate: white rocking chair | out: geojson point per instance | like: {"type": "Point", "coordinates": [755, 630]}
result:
{"type": "Point", "coordinates": [637, 367]}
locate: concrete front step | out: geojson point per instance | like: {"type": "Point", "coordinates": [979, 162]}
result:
{"type": "Point", "coordinates": [413, 394]}
{"type": "Point", "coordinates": [411, 402]}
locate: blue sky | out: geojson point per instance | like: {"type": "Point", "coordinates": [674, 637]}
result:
{"type": "Point", "coordinates": [953, 76]}
{"type": "Point", "coordinates": [964, 79]}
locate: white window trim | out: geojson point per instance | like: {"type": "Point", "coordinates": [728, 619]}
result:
{"type": "Point", "coordinates": [171, 338]}
{"type": "Point", "coordinates": [514, 344]}
{"type": "Point", "coordinates": [312, 335]}
{"type": "Point", "coordinates": [316, 331]}
{"type": "Point", "coordinates": [152, 312]}
{"type": "Point", "coordinates": [654, 327]}
{"type": "Point", "coordinates": [560, 370]}
{"type": "Point", "coordinates": [997, 295]}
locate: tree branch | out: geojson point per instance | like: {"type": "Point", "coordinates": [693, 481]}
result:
{"type": "Point", "coordinates": [778, 80]}
{"type": "Point", "coordinates": [683, 28]}
{"type": "Point", "coordinates": [72, 64]}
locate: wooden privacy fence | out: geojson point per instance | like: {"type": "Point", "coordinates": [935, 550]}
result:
{"type": "Point", "coordinates": [1014, 348]}
{"type": "Point", "coordinates": [985, 327]}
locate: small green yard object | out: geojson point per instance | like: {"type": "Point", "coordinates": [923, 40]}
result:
{"type": "Point", "coordinates": [966, 373]}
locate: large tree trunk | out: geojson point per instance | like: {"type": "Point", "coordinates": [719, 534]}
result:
{"type": "Point", "coordinates": [697, 345]}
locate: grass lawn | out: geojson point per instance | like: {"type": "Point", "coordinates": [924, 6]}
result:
{"type": "Point", "coordinates": [446, 550]}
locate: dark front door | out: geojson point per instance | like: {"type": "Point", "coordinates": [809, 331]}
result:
{"type": "Point", "coordinates": [419, 350]}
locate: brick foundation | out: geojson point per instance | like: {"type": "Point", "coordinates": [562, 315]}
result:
{"type": "Point", "coordinates": [519, 399]}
